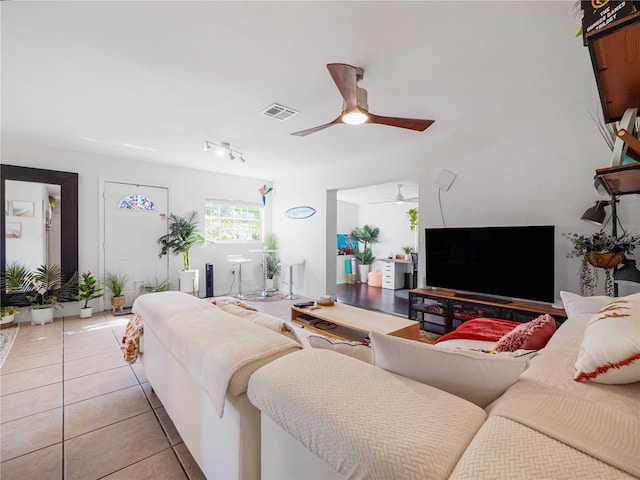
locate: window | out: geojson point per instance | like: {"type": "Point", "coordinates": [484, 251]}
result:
{"type": "Point", "coordinates": [228, 221]}
{"type": "Point", "coordinates": [137, 202]}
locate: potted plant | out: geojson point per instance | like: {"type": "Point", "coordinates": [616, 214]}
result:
{"type": "Point", "coordinates": [8, 314]}
{"type": "Point", "coordinates": [116, 285]}
{"type": "Point", "coordinates": [600, 250]}
{"type": "Point", "coordinates": [366, 234]}
{"type": "Point", "coordinates": [273, 267]}
{"type": "Point", "coordinates": [156, 287]}
{"type": "Point", "coordinates": [407, 252]}
{"type": "Point", "coordinates": [412, 213]}
{"type": "Point", "coordinates": [44, 289]}
{"type": "Point", "coordinates": [87, 290]}
{"type": "Point", "coordinates": [182, 235]}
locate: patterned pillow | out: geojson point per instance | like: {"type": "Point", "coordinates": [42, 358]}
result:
{"type": "Point", "coordinates": [610, 350]}
{"type": "Point", "coordinates": [262, 319]}
{"type": "Point", "coordinates": [532, 335]}
{"type": "Point", "coordinates": [219, 301]}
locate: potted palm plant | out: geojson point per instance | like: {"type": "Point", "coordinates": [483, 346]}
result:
{"type": "Point", "coordinates": [273, 267]}
{"type": "Point", "coordinates": [87, 290]}
{"type": "Point", "coordinates": [116, 284]}
{"type": "Point", "coordinates": [366, 235]}
{"type": "Point", "coordinates": [182, 235]}
{"type": "Point", "coordinates": [44, 289]}
{"type": "Point", "coordinates": [407, 252]}
{"type": "Point", "coordinates": [600, 250]}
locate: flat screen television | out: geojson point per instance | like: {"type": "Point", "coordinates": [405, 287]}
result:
{"type": "Point", "coordinates": [513, 262]}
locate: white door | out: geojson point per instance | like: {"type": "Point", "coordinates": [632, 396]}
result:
{"type": "Point", "coordinates": [135, 216]}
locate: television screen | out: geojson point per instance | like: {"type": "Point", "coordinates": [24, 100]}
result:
{"type": "Point", "coordinates": [516, 262]}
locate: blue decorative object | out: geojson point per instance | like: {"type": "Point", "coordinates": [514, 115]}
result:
{"type": "Point", "coordinates": [263, 191]}
{"type": "Point", "coordinates": [299, 213]}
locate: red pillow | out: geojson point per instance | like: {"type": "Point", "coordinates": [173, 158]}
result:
{"type": "Point", "coordinates": [532, 335]}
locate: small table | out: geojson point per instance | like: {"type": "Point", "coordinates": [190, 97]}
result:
{"type": "Point", "coordinates": [264, 252]}
{"type": "Point", "coordinates": [354, 323]}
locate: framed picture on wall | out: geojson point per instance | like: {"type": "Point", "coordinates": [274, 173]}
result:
{"type": "Point", "coordinates": [13, 230]}
{"type": "Point", "coordinates": [20, 208]}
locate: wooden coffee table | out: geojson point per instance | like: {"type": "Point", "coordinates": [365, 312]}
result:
{"type": "Point", "coordinates": [353, 323]}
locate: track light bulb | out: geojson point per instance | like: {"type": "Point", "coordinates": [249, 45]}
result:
{"type": "Point", "coordinates": [231, 157]}
{"type": "Point", "coordinates": [207, 146]}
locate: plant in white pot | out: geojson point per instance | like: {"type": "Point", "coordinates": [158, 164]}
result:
{"type": "Point", "coordinates": [8, 315]}
{"type": "Point", "coordinates": [87, 290]}
{"type": "Point", "coordinates": [116, 284]}
{"type": "Point", "coordinates": [407, 252]}
{"type": "Point", "coordinates": [365, 235]}
{"type": "Point", "coordinates": [44, 289]}
{"type": "Point", "coordinates": [273, 267]}
{"type": "Point", "coordinates": [182, 235]}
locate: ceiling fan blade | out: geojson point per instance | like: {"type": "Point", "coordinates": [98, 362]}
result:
{"type": "Point", "coordinates": [308, 131]}
{"type": "Point", "coordinates": [409, 123]}
{"type": "Point", "coordinates": [412, 199]}
{"type": "Point", "coordinates": [346, 79]}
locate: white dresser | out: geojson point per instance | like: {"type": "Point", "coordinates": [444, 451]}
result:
{"type": "Point", "coordinates": [393, 271]}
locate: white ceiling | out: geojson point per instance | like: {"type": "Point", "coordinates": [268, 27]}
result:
{"type": "Point", "coordinates": [152, 80]}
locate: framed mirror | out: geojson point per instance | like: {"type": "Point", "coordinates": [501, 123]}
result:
{"type": "Point", "coordinates": [18, 213]}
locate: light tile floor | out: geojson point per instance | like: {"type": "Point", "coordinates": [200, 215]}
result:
{"type": "Point", "coordinates": [71, 408]}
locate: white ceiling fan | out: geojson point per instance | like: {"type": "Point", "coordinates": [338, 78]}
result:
{"type": "Point", "coordinates": [399, 198]}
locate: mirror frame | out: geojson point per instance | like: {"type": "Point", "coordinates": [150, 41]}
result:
{"type": "Point", "coordinates": [68, 182]}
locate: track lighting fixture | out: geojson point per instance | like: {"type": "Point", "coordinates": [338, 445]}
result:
{"type": "Point", "coordinates": [223, 149]}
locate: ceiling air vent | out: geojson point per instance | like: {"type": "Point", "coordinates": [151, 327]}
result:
{"type": "Point", "coordinates": [278, 112]}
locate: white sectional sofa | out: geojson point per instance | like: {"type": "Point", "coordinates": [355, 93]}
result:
{"type": "Point", "coordinates": [315, 413]}
{"type": "Point", "coordinates": [348, 419]}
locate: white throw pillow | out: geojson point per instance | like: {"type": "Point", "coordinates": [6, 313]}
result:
{"type": "Point", "coordinates": [353, 349]}
{"type": "Point", "coordinates": [610, 350]}
{"type": "Point", "coordinates": [575, 304]}
{"type": "Point", "coordinates": [475, 376]}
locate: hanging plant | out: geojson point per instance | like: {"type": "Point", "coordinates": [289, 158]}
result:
{"type": "Point", "coordinates": [600, 250]}
{"type": "Point", "coordinates": [413, 218]}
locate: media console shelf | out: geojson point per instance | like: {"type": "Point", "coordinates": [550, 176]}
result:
{"type": "Point", "coordinates": [441, 310]}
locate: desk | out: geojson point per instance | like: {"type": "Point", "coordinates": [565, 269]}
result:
{"type": "Point", "coordinates": [393, 270]}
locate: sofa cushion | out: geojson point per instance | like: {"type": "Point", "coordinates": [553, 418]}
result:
{"type": "Point", "coordinates": [527, 454]}
{"type": "Point", "coordinates": [475, 376]}
{"type": "Point", "coordinates": [575, 304]}
{"type": "Point", "coordinates": [532, 335]}
{"type": "Point", "coordinates": [610, 351]}
{"type": "Point", "coordinates": [362, 420]}
{"type": "Point", "coordinates": [358, 350]}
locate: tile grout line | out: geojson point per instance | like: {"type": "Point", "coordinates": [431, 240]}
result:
{"type": "Point", "coordinates": [63, 462]}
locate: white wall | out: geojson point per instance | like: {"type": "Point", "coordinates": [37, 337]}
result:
{"type": "Point", "coordinates": [347, 216]}
{"type": "Point", "coordinates": [187, 190]}
{"type": "Point", "coordinates": [527, 164]}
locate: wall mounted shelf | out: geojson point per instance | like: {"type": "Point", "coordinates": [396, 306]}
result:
{"type": "Point", "coordinates": [615, 55]}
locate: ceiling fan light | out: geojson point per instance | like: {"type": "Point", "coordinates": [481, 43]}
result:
{"type": "Point", "coordinates": [355, 117]}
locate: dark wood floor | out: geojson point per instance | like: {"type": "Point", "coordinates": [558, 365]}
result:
{"type": "Point", "coordinates": [374, 298]}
